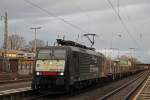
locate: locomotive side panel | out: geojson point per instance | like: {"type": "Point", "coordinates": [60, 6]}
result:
{"type": "Point", "coordinates": [88, 66]}
{"type": "Point", "coordinates": [85, 66]}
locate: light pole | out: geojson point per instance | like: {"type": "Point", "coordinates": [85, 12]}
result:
{"type": "Point", "coordinates": [117, 50]}
{"type": "Point", "coordinates": [5, 30]}
{"type": "Point", "coordinates": [1, 19]}
{"type": "Point", "coordinates": [111, 42]}
{"type": "Point", "coordinates": [5, 59]}
{"type": "Point", "coordinates": [132, 52]}
{"type": "Point", "coordinates": [35, 31]}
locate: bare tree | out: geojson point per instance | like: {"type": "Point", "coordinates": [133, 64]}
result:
{"type": "Point", "coordinates": [39, 43]}
{"type": "Point", "coordinates": [16, 42]}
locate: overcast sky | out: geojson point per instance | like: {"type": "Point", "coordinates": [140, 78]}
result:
{"type": "Point", "coordinates": [85, 16]}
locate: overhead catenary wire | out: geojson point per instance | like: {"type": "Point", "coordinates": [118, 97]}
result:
{"type": "Point", "coordinates": [75, 26]}
{"type": "Point", "coordinates": [53, 15]}
{"type": "Point", "coordinates": [80, 8]}
{"type": "Point", "coordinates": [141, 47]}
{"type": "Point", "coordinates": [142, 44]}
{"type": "Point", "coordinates": [123, 24]}
{"type": "Point", "coordinates": [118, 4]}
{"type": "Point", "coordinates": [85, 13]}
{"type": "Point", "coordinates": [134, 29]}
{"type": "Point", "coordinates": [60, 18]}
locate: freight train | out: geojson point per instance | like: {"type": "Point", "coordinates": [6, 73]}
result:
{"type": "Point", "coordinates": [71, 65]}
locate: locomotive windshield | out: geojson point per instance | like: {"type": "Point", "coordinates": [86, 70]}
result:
{"type": "Point", "coordinates": [56, 54]}
{"type": "Point", "coordinates": [51, 60]}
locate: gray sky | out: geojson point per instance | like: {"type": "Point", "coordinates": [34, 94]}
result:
{"type": "Point", "coordinates": [93, 16]}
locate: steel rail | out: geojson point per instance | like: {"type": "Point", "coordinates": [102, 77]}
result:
{"type": "Point", "coordinates": [36, 97]}
{"type": "Point", "coordinates": [14, 93]}
{"type": "Point", "coordinates": [15, 81]}
{"type": "Point", "coordinates": [134, 89]}
{"type": "Point", "coordinates": [51, 96]}
{"type": "Point", "coordinates": [121, 87]}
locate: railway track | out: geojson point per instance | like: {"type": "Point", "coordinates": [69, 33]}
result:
{"type": "Point", "coordinates": [36, 97]}
{"type": "Point", "coordinates": [15, 81]}
{"type": "Point", "coordinates": [15, 94]}
{"type": "Point", "coordinates": [144, 92]}
{"type": "Point", "coordinates": [44, 96]}
{"type": "Point", "coordinates": [126, 90]}
{"type": "Point", "coordinates": [85, 94]}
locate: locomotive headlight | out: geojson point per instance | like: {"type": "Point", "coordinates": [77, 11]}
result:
{"type": "Point", "coordinates": [61, 74]}
{"type": "Point", "coordinates": [37, 73]}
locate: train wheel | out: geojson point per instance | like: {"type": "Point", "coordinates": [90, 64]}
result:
{"type": "Point", "coordinates": [71, 90]}
{"type": "Point", "coordinates": [33, 87]}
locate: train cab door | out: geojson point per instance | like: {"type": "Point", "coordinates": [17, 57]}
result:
{"type": "Point", "coordinates": [75, 65]}
{"type": "Point", "coordinates": [71, 69]}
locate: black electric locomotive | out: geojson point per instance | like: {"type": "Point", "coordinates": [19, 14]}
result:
{"type": "Point", "coordinates": [68, 65]}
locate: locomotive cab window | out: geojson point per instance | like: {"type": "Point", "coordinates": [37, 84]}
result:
{"type": "Point", "coordinates": [51, 60]}
{"type": "Point", "coordinates": [44, 54]}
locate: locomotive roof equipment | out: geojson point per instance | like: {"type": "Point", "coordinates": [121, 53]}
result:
{"type": "Point", "coordinates": [72, 43]}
